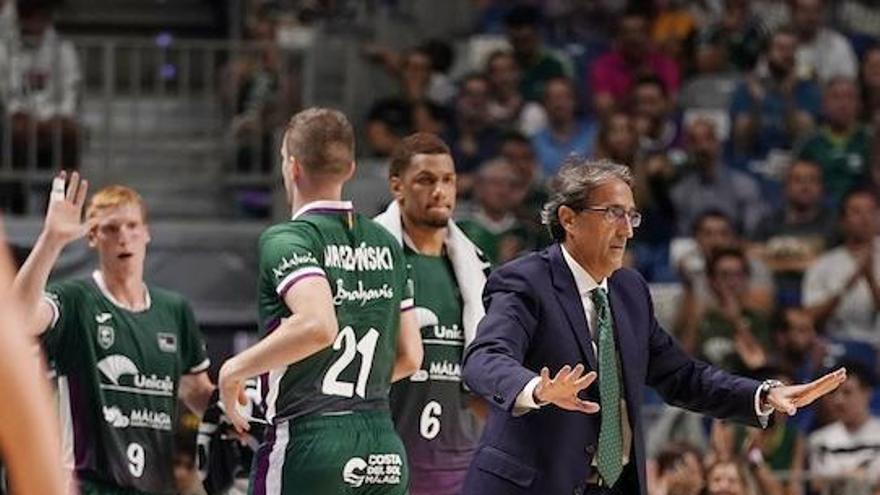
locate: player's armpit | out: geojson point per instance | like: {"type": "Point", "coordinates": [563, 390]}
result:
{"type": "Point", "coordinates": [409, 347]}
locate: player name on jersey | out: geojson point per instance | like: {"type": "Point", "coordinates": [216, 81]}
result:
{"type": "Point", "coordinates": [360, 258]}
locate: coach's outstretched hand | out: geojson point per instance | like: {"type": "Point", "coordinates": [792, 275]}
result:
{"type": "Point", "coordinates": [788, 399]}
{"type": "Point", "coordinates": [64, 222]}
{"type": "Point", "coordinates": [562, 390]}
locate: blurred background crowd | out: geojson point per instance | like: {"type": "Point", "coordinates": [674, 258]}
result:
{"type": "Point", "coordinates": [748, 125]}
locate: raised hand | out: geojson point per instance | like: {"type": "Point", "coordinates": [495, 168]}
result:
{"type": "Point", "coordinates": [64, 222]}
{"type": "Point", "coordinates": [789, 398]}
{"type": "Point", "coordinates": [562, 390]}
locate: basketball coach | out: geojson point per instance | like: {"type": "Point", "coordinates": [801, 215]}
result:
{"type": "Point", "coordinates": [560, 319]}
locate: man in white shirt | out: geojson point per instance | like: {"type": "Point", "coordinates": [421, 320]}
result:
{"type": "Point", "coordinates": [849, 447]}
{"type": "Point", "coordinates": [842, 289]}
{"type": "Point", "coordinates": [40, 79]}
{"type": "Point", "coordinates": [822, 52]}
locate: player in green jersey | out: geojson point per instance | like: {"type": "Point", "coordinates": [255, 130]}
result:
{"type": "Point", "coordinates": [437, 419]}
{"type": "Point", "coordinates": [28, 432]}
{"type": "Point", "coordinates": [334, 310]}
{"type": "Point", "coordinates": [123, 351]}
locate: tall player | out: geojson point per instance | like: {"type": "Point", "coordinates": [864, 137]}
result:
{"type": "Point", "coordinates": [333, 300]}
{"type": "Point", "coordinates": [436, 417]}
{"type": "Point", "coordinates": [28, 430]}
{"type": "Point", "coordinates": [123, 350]}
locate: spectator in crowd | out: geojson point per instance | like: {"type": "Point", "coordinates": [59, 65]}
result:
{"type": "Point", "coordinates": [254, 89]}
{"type": "Point", "coordinates": [613, 74]}
{"type": "Point", "coordinates": [822, 52]}
{"type": "Point", "coordinates": [566, 132]}
{"type": "Point", "coordinates": [842, 145]}
{"type": "Point", "coordinates": [658, 127]}
{"type": "Point", "coordinates": [870, 84]}
{"type": "Point", "coordinates": [710, 183]}
{"type": "Point", "coordinates": [431, 118]}
{"type": "Point", "coordinates": [653, 177]}
{"type": "Point", "coordinates": [538, 65]}
{"type": "Point", "coordinates": [41, 88]}
{"type": "Point", "coordinates": [711, 87]}
{"type": "Point", "coordinates": [531, 194]}
{"type": "Point", "coordinates": [801, 352]}
{"type": "Point", "coordinates": [472, 138]}
{"type": "Point", "coordinates": [842, 289]}
{"type": "Point", "coordinates": [773, 107]}
{"type": "Point", "coordinates": [844, 453]}
{"type": "Point", "coordinates": [388, 122]}
{"type": "Point", "coordinates": [679, 471]}
{"type": "Point", "coordinates": [790, 238]}
{"type": "Point", "coordinates": [727, 477]}
{"type": "Point", "coordinates": [727, 333]}
{"type": "Point", "coordinates": [714, 230]}
{"type": "Point", "coordinates": [507, 107]}
{"type": "Point", "coordinates": [421, 71]}
{"type": "Point", "coordinates": [740, 33]}
{"type": "Point", "coordinates": [673, 30]}
{"type": "Point", "coordinates": [617, 139]}
{"type": "Point", "coordinates": [493, 225]}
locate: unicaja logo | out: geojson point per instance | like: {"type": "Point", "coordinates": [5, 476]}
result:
{"type": "Point", "coordinates": [354, 472]}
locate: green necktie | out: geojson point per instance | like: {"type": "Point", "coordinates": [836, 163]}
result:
{"type": "Point", "coordinates": [610, 453]}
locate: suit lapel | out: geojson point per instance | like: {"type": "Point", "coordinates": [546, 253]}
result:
{"type": "Point", "coordinates": [570, 300]}
{"type": "Point", "coordinates": [626, 345]}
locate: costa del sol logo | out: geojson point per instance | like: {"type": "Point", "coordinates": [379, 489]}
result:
{"type": "Point", "coordinates": [376, 469]}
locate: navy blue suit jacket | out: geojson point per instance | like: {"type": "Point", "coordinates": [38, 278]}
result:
{"type": "Point", "coordinates": [534, 318]}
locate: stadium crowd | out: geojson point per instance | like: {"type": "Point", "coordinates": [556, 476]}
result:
{"type": "Point", "coordinates": [748, 127]}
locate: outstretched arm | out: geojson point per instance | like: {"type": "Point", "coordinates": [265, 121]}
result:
{"type": "Point", "coordinates": [28, 431]}
{"type": "Point", "coordinates": [409, 347]}
{"type": "Point", "coordinates": [62, 226]}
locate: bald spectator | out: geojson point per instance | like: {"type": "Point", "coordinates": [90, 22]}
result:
{"type": "Point", "coordinates": [613, 74]}
{"type": "Point", "coordinates": [822, 52]}
{"type": "Point", "coordinates": [710, 183]}
{"type": "Point", "coordinates": [842, 289]}
{"type": "Point", "coordinates": [842, 145]}
{"type": "Point", "coordinates": [537, 64]}
{"type": "Point", "coordinates": [566, 132]}
{"type": "Point", "coordinates": [773, 107]}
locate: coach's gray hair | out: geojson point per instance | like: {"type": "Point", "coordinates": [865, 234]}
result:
{"type": "Point", "coordinates": [574, 183]}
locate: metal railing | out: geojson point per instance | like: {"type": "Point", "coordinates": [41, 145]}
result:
{"type": "Point", "coordinates": [188, 121]}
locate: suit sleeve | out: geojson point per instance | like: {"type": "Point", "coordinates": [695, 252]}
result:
{"type": "Point", "coordinates": [695, 385]}
{"type": "Point", "coordinates": [493, 363]}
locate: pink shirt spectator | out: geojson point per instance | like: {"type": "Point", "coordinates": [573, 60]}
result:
{"type": "Point", "coordinates": [612, 75]}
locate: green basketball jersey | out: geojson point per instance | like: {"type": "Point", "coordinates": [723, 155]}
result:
{"type": "Point", "coordinates": [431, 408]}
{"type": "Point", "coordinates": [368, 279]}
{"type": "Point", "coordinates": [118, 374]}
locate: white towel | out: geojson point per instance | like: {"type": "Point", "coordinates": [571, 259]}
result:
{"type": "Point", "coordinates": [467, 262]}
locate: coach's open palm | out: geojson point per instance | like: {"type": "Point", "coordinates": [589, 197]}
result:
{"type": "Point", "coordinates": [562, 390]}
{"type": "Point", "coordinates": [64, 215]}
{"type": "Point", "coordinates": [788, 399]}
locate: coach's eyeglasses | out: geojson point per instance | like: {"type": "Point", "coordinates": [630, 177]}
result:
{"type": "Point", "coordinates": [617, 214]}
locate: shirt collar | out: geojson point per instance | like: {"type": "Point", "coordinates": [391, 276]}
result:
{"type": "Point", "coordinates": [324, 206]}
{"type": "Point", "coordinates": [98, 277]}
{"type": "Point", "coordinates": [583, 280]}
